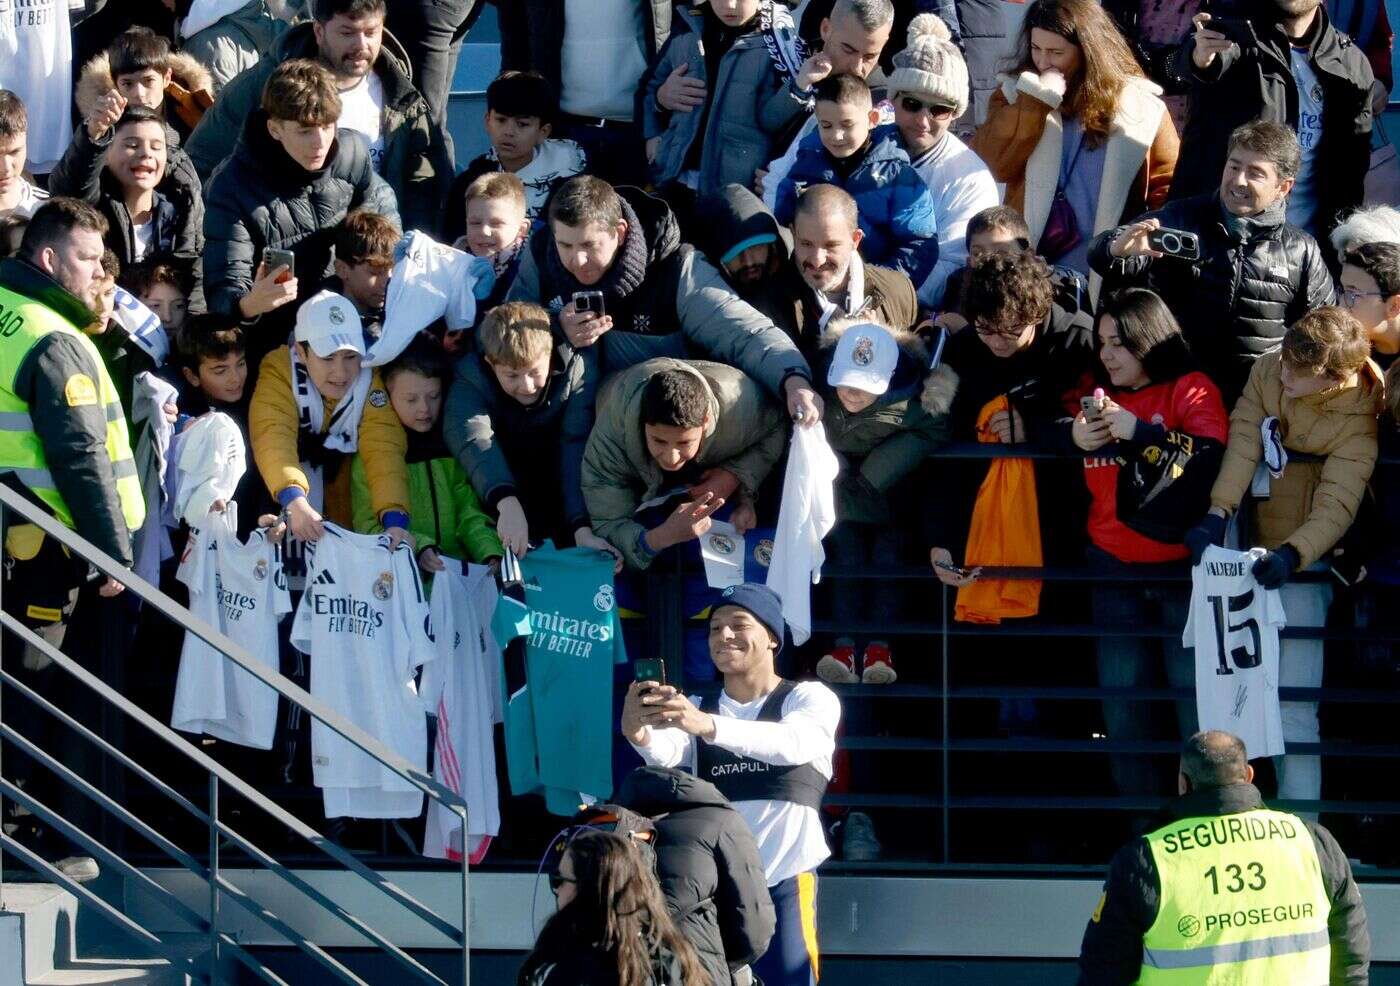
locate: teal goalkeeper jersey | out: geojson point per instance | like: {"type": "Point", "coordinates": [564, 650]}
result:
{"type": "Point", "coordinates": [558, 700]}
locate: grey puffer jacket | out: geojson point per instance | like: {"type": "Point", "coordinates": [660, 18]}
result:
{"type": "Point", "coordinates": [260, 198]}
{"type": "Point", "coordinates": [665, 299]}
{"type": "Point", "coordinates": [750, 103]}
{"type": "Point", "coordinates": [416, 163]}
{"type": "Point", "coordinates": [1236, 302]}
{"type": "Point", "coordinates": [235, 42]}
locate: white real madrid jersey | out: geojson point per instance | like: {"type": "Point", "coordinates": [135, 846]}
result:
{"type": "Point", "coordinates": [458, 689]}
{"type": "Point", "coordinates": [363, 621]}
{"type": "Point", "coordinates": [239, 589]}
{"type": "Point", "coordinates": [1233, 625]}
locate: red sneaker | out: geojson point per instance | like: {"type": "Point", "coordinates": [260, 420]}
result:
{"type": "Point", "coordinates": [878, 664]}
{"type": "Point", "coordinates": [839, 666]}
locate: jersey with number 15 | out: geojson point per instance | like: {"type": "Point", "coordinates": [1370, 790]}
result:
{"type": "Point", "coordinates": [1233, 625]}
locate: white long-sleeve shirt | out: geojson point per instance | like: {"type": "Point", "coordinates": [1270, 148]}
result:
{"type": "Point", "coordinates": [961, 187]}
{"type": "Point", "coordinates": [790, 836]}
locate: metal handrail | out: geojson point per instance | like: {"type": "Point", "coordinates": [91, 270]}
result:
{"type": "Point", "coordinates": [219, 888]}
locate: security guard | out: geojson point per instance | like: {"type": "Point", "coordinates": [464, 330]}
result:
{"type": "Point", "coordinates": [63, 436]}
{"type": "Point", "coordinates": [1227, 892]}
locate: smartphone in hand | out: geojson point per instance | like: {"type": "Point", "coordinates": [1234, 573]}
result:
{"type": "Point", "coordinates": [281, 258]}
{"type": "Point", "coordinates": [649, 669]}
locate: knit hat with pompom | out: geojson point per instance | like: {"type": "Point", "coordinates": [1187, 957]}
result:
{"type": "Point", "coordinates": [931, 66]}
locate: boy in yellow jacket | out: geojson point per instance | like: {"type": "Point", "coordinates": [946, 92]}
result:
{"type": "Point", "coordinates": [314, 406]}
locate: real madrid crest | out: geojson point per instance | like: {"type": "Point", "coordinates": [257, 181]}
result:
{"type": "Point", "coordinates": [336, 316]}
{"type": "Point", "coordinates": [384, 586]}
{"type": "Point", "coordinates": [763, 552]}
{"type": "Point", "coordinates": [260, 569]}
{"type": "Point", "coordinates": [603, 598]}
{"type": "Point", "coordinates": [378, 397]}
{"type": "Point", "coordinates": [864, 353]}
{"type": "Point", "coordinates": [722, 544]}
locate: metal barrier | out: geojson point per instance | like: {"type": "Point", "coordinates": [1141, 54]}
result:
{"type": "Point", "coordinates": [940, 635]}
{"type": "Point", "coordinates": [221, 890]}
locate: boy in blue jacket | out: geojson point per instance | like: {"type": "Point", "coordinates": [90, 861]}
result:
{"type": "Point", "coordinates": [848, 150]}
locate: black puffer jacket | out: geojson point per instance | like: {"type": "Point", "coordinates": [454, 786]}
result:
{"type": "Point", "coordinates": [1111, 954]}
{"type": "Point", "coordinates": [708, 863]}
{"type": "Point", "coordinates": [1236, 302]}
{"type": "Point", "coordinates": [1256, 82]}
{"type": "Point", "coordinates": [665, 299]}
{"type": "Point", "coordinates": [261, 198]}
{"type": "Point", "coordinates": [178, 211]}
{"type": "Point", "coordinates": [416, 162]}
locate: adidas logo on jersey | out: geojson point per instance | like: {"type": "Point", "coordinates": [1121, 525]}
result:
{"type": "Point", "coordinates": [324, 578]}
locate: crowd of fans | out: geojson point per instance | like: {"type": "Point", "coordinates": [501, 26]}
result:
{"type": "Point", "coordinates": [1145, 246]}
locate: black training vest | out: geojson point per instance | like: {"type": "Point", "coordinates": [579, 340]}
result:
{"type": "Point", "coordinates": [745, 779]}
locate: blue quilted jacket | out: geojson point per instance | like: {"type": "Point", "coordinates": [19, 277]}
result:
{"type": "Point", "coordinates": [896, 209]}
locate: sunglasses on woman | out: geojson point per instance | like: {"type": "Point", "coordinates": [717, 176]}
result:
{"type": "Point", "coordinates": [556, 882]}
{"type": "Point", "coordinates": [936, 110]}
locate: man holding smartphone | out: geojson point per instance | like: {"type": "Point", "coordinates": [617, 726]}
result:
{"type": "Point", "coordinates": [1255, 274]}
{"type": "Point", "coordinates": [612, 268]}
{"type": "Point", "coordinates": [767, 744]}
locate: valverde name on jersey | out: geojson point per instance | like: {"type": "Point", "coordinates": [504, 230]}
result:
{"type": "Point", "coordinates": [1226, 830]}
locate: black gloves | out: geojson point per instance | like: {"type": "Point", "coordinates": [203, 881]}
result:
{"type": "Point", "coordinates": [1211, 530]}
{"type": "Point", "coordinates": [1273, 570]}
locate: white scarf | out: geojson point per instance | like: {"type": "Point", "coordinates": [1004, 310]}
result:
{"type": "Point", "coordinates": [429, 281]}
{"type": "Point", "coordinates": [342, 434]}
{"type": "Point", "coordinates": [142, 325]}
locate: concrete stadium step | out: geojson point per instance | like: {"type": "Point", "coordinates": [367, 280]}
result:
{"type": "Point", "coordinates": [126, 970]}
{"type": "Point", "coordinates": [38, 927]}
{"type": "Point", "coordinates": [38, 945]}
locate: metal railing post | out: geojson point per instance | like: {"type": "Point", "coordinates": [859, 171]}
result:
{"type": "Point", "coordinates": [213, 878]}
{"type": "Point", "coordinates": [466, 902]}
{"type": "Point", "coordinates": [947, 786]}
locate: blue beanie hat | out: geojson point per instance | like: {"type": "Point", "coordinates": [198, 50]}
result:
{"type": "Point", "coordinates": [765, 605]}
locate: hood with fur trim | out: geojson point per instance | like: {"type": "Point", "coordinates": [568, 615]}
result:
{"type": "Point", "coordinates": [96, 80]}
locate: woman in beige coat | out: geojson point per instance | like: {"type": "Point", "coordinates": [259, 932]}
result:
{"type": "Point", "coordinates": [1078, 134]}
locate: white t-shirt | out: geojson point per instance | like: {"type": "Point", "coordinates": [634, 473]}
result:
{"type": "Point", "coordinates": [457, 689]}
{"type": "Point", "coordinates": [238, 589]}
{"type": "Point", "coordinates": [143, 236]}
{"type": "Point", "coordinates": [363, 620]}
{"type": "Point", "coordinates": [805, 516]}
{"type": "Point", "coordinates": [362, 110]}
{"type": "Point", "coordinates": [36, 64]}
{"type": "Point", "coordinates": [30, 198]}
{"type": "Point", "coordinates": [1233, 626]}
{"type": "Point", "coordinates": [1302, 201]}
{"type": "Point", "coordinates": [790, 837]}
{"type": "Point", "coordinates": [603, 57]}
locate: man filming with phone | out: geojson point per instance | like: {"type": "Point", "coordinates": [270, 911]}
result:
{"type": "Point", "coordinates": [1284, 62]}
{"type": "Point", "coordinates": [611, 265]}
{"type": "Point", "coordinates": [1229, 265]}
{"type": "Point", "coordinates": [767, 744]}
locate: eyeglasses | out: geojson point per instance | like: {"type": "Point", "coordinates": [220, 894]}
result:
{"type": "Point", "coordinates": [556, 882]}
{"type": "Point", "coordinates": [936, 110]}
{"type": "Point", "coordinates": [1351, 296]}
{"type": "Point", "coordinates": [988, 332]}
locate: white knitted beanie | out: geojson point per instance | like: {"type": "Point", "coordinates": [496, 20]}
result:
{"type": "Point", "coordinates": [931, 66]}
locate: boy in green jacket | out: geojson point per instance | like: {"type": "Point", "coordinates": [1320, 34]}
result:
{"type": "Point", "coordinates": [447, 516]}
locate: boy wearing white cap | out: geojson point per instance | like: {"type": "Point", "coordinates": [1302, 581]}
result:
{"type": "Point", "coordinates": [314, 406]}
{"type": "Point", "coordinates": [929, 90]}
{"type": "Point", "coordinates": [877, 424]}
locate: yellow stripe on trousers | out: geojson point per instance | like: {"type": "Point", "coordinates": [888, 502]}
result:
{"type": "Point", "coordinates": [807, 907]}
